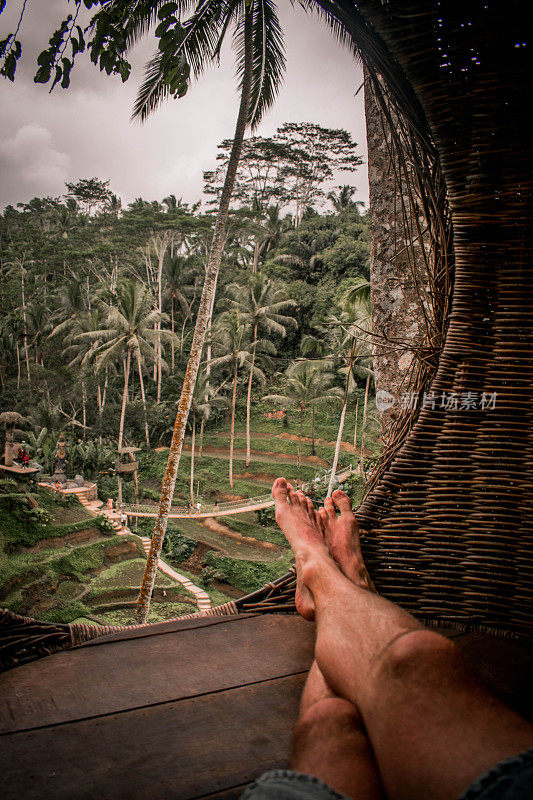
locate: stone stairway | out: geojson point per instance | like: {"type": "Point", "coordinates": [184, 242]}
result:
{"type": "Point", "coordinates": [202, 598]}
{"type": "Point", "coordinates": [96, 507]}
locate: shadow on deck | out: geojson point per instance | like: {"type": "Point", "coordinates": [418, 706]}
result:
{"type": "Point", "coordinates": [190, 709]}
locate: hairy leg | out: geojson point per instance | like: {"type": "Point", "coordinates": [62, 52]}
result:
{"type": "Point", "coordinates": [330, 742]}
{"type": "Point", "coordinates": [433, 728]}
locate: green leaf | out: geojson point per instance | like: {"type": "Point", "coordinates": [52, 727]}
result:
{"type": "Point", "coordinates": [43, 74]}
{"type": "Point", "coordinates": [167, 10]}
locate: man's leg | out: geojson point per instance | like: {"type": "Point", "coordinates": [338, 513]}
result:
{"type": "Point", "coordinates": [330, 742]}
{"type": "Point", "coordinates": [432, 727]}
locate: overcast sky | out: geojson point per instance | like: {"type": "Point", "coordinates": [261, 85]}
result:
{"type": "Point", "coordinates": [48, 139]}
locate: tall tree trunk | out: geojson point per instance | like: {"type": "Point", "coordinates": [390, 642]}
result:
{"type": "Point", "coordinates": [313, 448]}
{"type": "Point", "coordinates": [249, 398]}
{"type": "Point", "coordinates": [193, 444]}
{"type": "Point", "coordinates": [256, 257]}
{"type": "Point", "coordinates": [84, 409]}
{"type": "Point", "coordinates": [397, 267]}
{"type": "Point", "coordinates": [127, 365]}
{"type": "Point", "coordinates": [341, 422]}
{"type": "Point", "coordinates": [25, 324]}
{"type": "Point", "coordinates": [143, 397]}
{"type": "Point", "coordinates": [363, 426]}
{"type": "Point", "coordinates": [232, 434]}
{"type": "Point", "coordinates": [299, 456]}
{"type": "Point", "coordinates": [18, 368]}
{"type": "Point", "coordinates": [201, 438]}
{"type": "Point", "coordinates": [176, 445]}
{"type": "Point", "coordinates": [172, 330]}
{"type": "Point", "coordinates": [355, 426]}
{"type": "Point", "coordinates": [337, 448]}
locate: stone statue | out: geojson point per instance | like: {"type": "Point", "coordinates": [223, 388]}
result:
{"type": "Point", "coordinates": [60, 459]}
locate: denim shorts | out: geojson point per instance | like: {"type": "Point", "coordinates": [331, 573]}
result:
{"type": "Point", "coordinates": [511, 779]}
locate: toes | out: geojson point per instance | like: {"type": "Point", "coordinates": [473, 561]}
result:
{"type": "Point", "coordinates": [329, 506]}
{"type": "Point", "coordinates": [310, 507]}
{"type": "Point", "coordinates": [280, 490]}
{"type": "Point", "coordinates": [299, 498]}
{"type": "Point", "coordinates": [342, 501]}
{"type": "Point", "coordinates": [323, 516]}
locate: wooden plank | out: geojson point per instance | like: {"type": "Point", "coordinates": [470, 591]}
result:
{"type": "Point", "coordinates": [161, 628]}
{"type": "Point", "coordinates": [133, 673]}
{"type": "Point", "coordinates": [180, 750]}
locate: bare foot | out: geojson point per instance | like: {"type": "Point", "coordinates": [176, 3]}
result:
{"type": "Point", "coordinates": [342, 538]}
{"type": "Point", "coordinates": [297, 518]}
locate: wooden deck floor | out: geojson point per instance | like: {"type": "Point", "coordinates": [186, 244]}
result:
{"type": "Point", "coordinates": [192, 709]}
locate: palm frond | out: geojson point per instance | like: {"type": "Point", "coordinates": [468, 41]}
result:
{"type": "Point", "coordinates": [268, 58]}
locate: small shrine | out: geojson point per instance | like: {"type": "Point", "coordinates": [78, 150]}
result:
{"type": "Point", "coordinates": [16, 459]}
{"type": "Point", "coordinates": [60, 460]}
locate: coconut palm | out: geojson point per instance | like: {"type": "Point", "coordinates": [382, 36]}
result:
{"type": "Point", "coordinates": [306, 384]}
{"type": "Point", "coordinates": [260, 63]}
{"type": "Point", "coordinates": [178, 275]}
{"type": "Point", "coordinates": [203, 402]}
{"type": "Point", "coordinates": [262, 305]}
{"type": "Point", "coordinates": [347, 336]}
{"type": "Point", "coordinates": [231, 336]}
{"type": "Point", "coordinates": [128, 333]}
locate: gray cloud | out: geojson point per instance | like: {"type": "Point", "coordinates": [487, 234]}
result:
{"type": "Point", "coordinates": [86, 130]}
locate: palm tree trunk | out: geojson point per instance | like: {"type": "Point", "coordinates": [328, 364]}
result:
{"type": "Point", "coordinates": [313, 448]}
{"type": "Point", "coordinates": [143, 397]}
{"type": "Point", "coordinates": [337, 448]}
{"type": "Point", "coordinates": [299, 447]}
{"type": "Point", "coordinates": [193, 443]}
{"type": "Point", "coordinates": [364, 424]}
{"type": "Point", "coordinates": [176, 445]}
{"type": "Point", "coordinates": [355, 427]}
{"type": "Point", "coordinates": [249, 399]}
{"type": "Point", "coordinates": [127, 365]}
{"type": "Point", "coordinates": [232, 434]}
{"type": "Point", "coordinates": [172, 329]}
{"type": "Point", "coordinates": [25, 323]}
{"type": "Point", "coordinates": [18, 368]}
{"type": "Point", "coordinates": [341, 423]}
{"type": "Point", "coordinates": [201, 438]}
{"type": "Point", "coordinates": [84, 409]}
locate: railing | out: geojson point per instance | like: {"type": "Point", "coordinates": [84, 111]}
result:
{"type": "Point", "coordinates": [185, 511]}
{"type": "Point", "coordinates": [214, 510]}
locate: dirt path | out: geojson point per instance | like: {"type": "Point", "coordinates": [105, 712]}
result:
{"type": "Point", "coordinates": [239, 454]}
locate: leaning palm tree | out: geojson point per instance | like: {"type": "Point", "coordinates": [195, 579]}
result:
{"type": "Point", "coordinates": [305, 385]}
{"type": "Point", "coordinates": [260, 63]}
{"type": "Point", "coordinates": [262, 305]}
{"type": "Point", "coordinates": [231, 336]}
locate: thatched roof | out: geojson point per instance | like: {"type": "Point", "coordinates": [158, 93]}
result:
{"type": "Point", "coordinates": [12, 418]}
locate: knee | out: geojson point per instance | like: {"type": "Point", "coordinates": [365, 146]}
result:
{"type": "Point", "coordinates": [326, 718]}
{"type": "Point", "coordinates": [420, 653]}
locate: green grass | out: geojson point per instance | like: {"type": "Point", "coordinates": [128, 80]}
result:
{"type": "Point", "coordinates": [128, 574]}
{"type": "Point", "coordinates": [247, 576]}
{"type": "Point", "coordinates": [246, 525]}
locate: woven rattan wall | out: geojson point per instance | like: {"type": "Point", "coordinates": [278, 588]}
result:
{"type": "Point", "coordinates": [449, 524]}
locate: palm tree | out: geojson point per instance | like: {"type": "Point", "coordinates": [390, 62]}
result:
{"type": "Point", "coordinates": [231, 336]}
{"type": "Point", "coordinates": [262, 305]}
{"type": "Point", "coordinates": [178, 274]}
{"type": "Point", "coordinates": [128, 333]}
{"type": "Point", "coordinates": [203, 402]}
{"type": "Point", "coordinates": [348, 340]}
{"type": "Point", "coordinates": [260, 65]}
{"type": "Point", "coordinates": [306, 384]}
